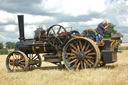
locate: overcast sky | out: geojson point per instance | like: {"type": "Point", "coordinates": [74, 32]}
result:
{"type": "Point", "coordinates": [78, 14]}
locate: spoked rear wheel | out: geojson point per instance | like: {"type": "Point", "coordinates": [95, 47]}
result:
{"type": "Point", "coordinates": [17, 61]}
{"type": "Point", "coordinates": [81, 53]}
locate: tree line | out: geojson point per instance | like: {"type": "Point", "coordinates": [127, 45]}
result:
{"type": "Point", "coordinates": [4, 48]}
{"type": "Point", "coordinates": [9, 45]}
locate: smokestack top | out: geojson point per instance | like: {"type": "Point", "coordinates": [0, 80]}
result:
{"type": "Point", "coordinates": [21, 27]}
{"type": "Point", "coordinates": [20, 15]}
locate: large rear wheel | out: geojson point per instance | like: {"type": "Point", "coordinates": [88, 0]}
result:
{"type": "Point", "coordinates": [81, 53]}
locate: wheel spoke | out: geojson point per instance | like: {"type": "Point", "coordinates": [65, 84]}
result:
{"type": "Point", "coordinates": [91, 54]}
{"type": "Point", "coordinates": [59, 30]}
{"type": "Point", "coordinates": [23, 63]}
{"type": "Point", "coordinates": [21, 60]}
{"type": "Point", "coordinates": [73, 57]}
{"type": "Point", "coordinates": [78, 47]}
{"type": "Point", "coordinates": [71, 54]}
{"type": "Point", "coordinates": [87, 63]}
{"type": "Point", "coordinates": [87, 47]}
{"type": "Point", "coordinates": [72, 61]}
{"type": "Point", "coordinates": [89, 57]}
{"type": "Point", "coordinates": [37, 61]}
{"type": "Point", "coordinates": [82, 67]}
{"type": "Point", "coordinates": [84, 64]}
{"type": "Point", "coordinates": [84, 47]}
{"type": "Point", "coordinates": [30, 56]}
{"type": "Point", "coordinates": [80, 44]}
{"type": "Point", "coordinates": [34, 57]}
{"type": "Point", "coordinates": [75, 63]}
{"type": "Point", "coordinates": [73, 47]}
{"type": "Point", "coordinates": [54, 32]}
{"type": "Point", "coordinates": [20, 56]}
{"type": "Point", "coordinates": [11, 62]}
{"type": "Point", "coordinates": [21, 66]}
{"type": "Point", "coordinates": [17, 57]}
{"type": "Point", "coordinates": [59, 40]}
{"type": "Point", "coordinates": [90, 61]}
{"type": "Point", "coordinates": [73, 51]}
{"type": "Point", "coordinates": [13, 56]}
{"type": "Point", "coordinates": [88, 51]}
{"type": "Point", "coordinates": [35, 65]}
{"type": "Point", "coordinates": [18, 67]}
{"type": "Point", "coordinates": [78, 65]}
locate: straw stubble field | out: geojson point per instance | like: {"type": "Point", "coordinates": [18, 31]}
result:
{"type": "Point", "coordinates": [49, 74]}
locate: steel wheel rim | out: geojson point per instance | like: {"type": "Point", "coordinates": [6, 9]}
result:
{"type": "Point", "coordinates": [86, 58]}
{"type": "Point", "coordinates": [16, 61]}
{"type": "Point", "coordinates": [35, 57]}
{"type": "Point", "coordinates": [54, 39]}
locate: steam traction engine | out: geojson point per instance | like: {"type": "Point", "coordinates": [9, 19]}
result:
{"type": "Point", "coordinates": [76, 51]}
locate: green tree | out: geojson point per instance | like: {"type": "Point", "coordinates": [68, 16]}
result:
{"type": "Point", "coordinates": [110, 29]}
{"type": "Point", "coordinates": [1, 45]}
{"type": "Point", "coordinates": [10, 45]}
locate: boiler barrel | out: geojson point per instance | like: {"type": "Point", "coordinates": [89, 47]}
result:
{"type": "Point", "coordinates": [28, 47]}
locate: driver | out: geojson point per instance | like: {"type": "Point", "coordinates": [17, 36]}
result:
{"type": "Point", "coordinates": [101, 28]}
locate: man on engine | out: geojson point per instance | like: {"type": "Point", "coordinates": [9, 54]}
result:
{"type": "Point", "coordinates": [101, 28]}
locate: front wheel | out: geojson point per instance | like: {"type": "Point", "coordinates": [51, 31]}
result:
{"type": "Point", "coordinates": [16, 61]}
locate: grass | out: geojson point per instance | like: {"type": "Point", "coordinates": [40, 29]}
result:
{"type": "Point", "coordinates": [3, 51]}
{"type": "Point", "coordinates": [49, 74]}
{"type": "Point", "coordinates": [123, 48]}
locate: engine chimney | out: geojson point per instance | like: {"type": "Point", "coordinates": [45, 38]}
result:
{"type": "Point", "coordinates": [21, 27]}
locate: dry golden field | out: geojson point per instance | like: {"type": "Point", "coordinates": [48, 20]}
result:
{"type": "Point", "coordinates": [49, 74]}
